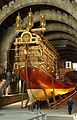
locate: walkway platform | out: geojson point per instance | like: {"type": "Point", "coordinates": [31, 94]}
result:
{"type": "Point", "coordinates": [15, 112]}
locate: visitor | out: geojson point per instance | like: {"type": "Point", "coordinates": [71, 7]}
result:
{"type": "Point", "coordinates": [70, 105]}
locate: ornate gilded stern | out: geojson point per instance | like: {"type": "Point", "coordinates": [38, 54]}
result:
{"type": "Point", "coordinates": [32, 46]}
{"type": "Point", "coordinates": [28, 37]}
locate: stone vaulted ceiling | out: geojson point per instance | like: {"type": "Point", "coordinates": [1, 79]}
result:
{"type": "Point", "coordinates": [61, 24]}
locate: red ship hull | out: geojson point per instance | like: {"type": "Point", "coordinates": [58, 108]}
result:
{"type": "Point", "coordinates": [37, 80]}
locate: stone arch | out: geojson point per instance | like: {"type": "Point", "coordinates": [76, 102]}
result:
{"type": "Point", "coordinates": [51, 13]}
{"type": "Point", "coordinates": [61, 27]}
{"type": "Point", "coordinates": [8, 38]}
{"type": "Point", "coordinates": [18, 4]}
{"type": "Point", "coordinates": [61, 36]}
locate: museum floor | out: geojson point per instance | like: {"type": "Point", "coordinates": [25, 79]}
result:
{"type": "Point", "coordinates": [15, 112]}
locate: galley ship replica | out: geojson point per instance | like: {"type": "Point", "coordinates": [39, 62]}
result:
{"type": "Point", "coordinates": [36, 60]}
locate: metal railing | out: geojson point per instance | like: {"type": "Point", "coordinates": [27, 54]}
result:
{"type": "Point", "coordinates": [39, 117]}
